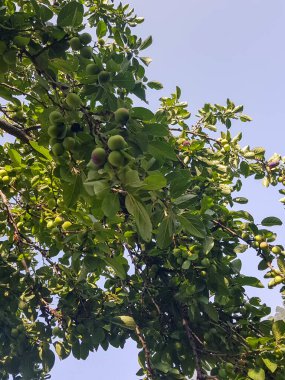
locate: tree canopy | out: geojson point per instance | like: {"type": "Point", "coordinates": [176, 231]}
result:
{"type": "Point", "coordinates": [117, 221]}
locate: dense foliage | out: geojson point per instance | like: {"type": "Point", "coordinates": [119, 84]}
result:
{"type": "Point", "coordinates": [117, 221]}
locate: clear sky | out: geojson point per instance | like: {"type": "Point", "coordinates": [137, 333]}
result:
{"type": "Point", "coordinates": [212, 50]}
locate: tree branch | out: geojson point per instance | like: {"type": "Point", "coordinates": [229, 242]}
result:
{"type": "Point", "coordinates": [146, 352]}
{"type": "Point", "coordinates": [14, 131]}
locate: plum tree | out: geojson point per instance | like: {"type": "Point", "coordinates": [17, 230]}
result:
{"type": "Point", "coordinates": [95, 185]}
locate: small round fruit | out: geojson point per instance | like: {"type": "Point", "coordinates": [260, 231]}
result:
{"type": "Point", "coordinates": [58, 220]}
{"type": "Point", "coordinates": [55, 117]}
{"type": "Point", "coordinates": [258, 238]}
{"type": "Point", "coordinates": [3, 172]}
{"type": "Point", "coordinates": [85, 38]}
{"type": "Point", "coordinates": [14, 333]}
{"type": "Point", "coordinates": [104, 77]}
{"type": "Point", "coordinates": [10, 56]}
{"type": "Point", "coordinates": [73, 100]}
{"type": "Point", "coordinates": [66, 225]}
{"type": "Point", "coordinates": [276, 250]}
{"type": "Point", "coordinates": [116, 142]}
{"type": "Point", "coordinates": [122, 115]}
{"type": "Point", "coordinates": [50, 224]}
{"type": "Point", "coordinates": [98, 156]}
{"type": "Point", "coordinates": [263, 245]}
{"type": "Point", "coordinates": [92, 69]}
{"type": "Point", "coordinates": [203, 273]}
{"type": "Point", "coordinates": [86, 52]}
{"type": "Point", "coordinates": [278, 280]}
{"type": "Point", "coordinates": [116, 159]}
{"type": "Point", "coordinates": [69, 143]}
{"type": "Point", "coordinates": [75, 43]}
{"type": "Point", "coordinates": [57, 149]}
{"type": "Point", "coordinates": [21, 41]}
{"type": "Point", "coordinates": [56, 132]}
{"type": "Point", "coordinates": [51, 203]}
{"type": "Point", "coordinates": [245, 236]}
{"type": "Point", "coordinates": [5, 179]}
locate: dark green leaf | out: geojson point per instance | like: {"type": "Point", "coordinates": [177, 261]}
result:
{"type": "Point", "coordinates": [71, 191]}
{"type": "Point", "coordinates": [142, 113]}
{"type": "Point", "coordinates": [271, 221]}
{"type": "Point", "coordinates": [249, 281]}
{"type": "Point", "coordinates": [161, 149]}
{"type": "Point", "coordinates": [165, 232]}
{"type": "Point", "coordinates": [142, 219]}
{"type": "Point", "coordinates": [155, 181]}
{"type": "Point", "coordinates": [193, 225]}
{"type": "Point", "coordinates": [70, 14]}
{"type": "Point", "coordinates": [146, 43]}
{"type": "Point", "coordinates": [155, 85]}
{"type": "Point", "coordinates": [111, 204]}
{"type": "Point", "coordinates": [101, 29]}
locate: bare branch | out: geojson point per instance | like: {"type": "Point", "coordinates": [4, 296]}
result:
{"type": "Point", "coordinates": [146, 352]}
{"type": "Point", "coordinates": [14, 131]}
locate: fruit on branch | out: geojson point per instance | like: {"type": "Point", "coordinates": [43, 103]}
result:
{"type": "Point", "coordinates": [263, 245]}
{"type": "Point", "coordinates": [98, 156]}
{"type": "Point", "coordinates": [116, 142]}
{"type": "Point", "coordinates": [69, 143]}
{"type": "Point", "coordinates": [75, 43]}
{"type": "Point", "coordinates": [116, 159]}
{"type": "Point", "coordinates": [73, 100]}
{"type": "Point", "coordinates": [86, 52]}
{"type": "Point", "coordinates": [122, 115]}
{"type": "Point", "coordinates": [66, 225]}
{"type": "Point", "coordinates": [55, 117]}
{"type": "Point", "coordinates": [276, 250]}
{"type": "Point", "coordinates": [104, 77]}
{"type": "Point", "coordinates": [259, 238]}
{"type": "Point", "coordinates": [85, 38]}
{"type": "Point", "coordinates": [57, 131]}
{"type": "Point", "coordinates": [51, 203]}
{"type": "Point", "coordinates": [58, 220]}
{"type": "Point", "coordinates": [92, 69]}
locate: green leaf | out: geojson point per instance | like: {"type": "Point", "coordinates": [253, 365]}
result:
{"type": "Point", "coordinates": [125, 321]}
{"type": "Point", "coordinates": [116, 262]}
{"type": "Point", "coordinates": [162, 149]}
{"type": "Point", "coordinates": [208, 244]}
{"type": "Point", "coordinates": [101, 29]}
{"type": "Point", "coordinates": [66, 66]}
{"type": "Point", "coordinates": [270, 365]}
{"type": "Point", "coordinates": [256, 374]}
{"type": "Point", "coordinates": [142, 219]}
{"type": "Point", "coordinates": [71, 191]}
{"type": "Point", "coordinates": [146, 43]}
{"type": "Point", "coordinates": [271, 221]}
{"type": "Point", "coordinates": [15, 156]}
{"type": "Point", "coordinates": [70, 14]}
{"type": "Point", "coordinates": [155, 181]}
{"type": "Point", "coordinates": [42, 150]}
{"type": "Point", "coordinates": [249, 281]}
{"type": "Point", "coordinates": [240, 200]}
{"type": "Point", "coordinates": [48, 360]}
{"type": "Point", "coordinates": [193, 225]}
{"type": "Point", "coordinates": [211, 311]}
{"type": "Point", "coordinates": [111, 204]}
{"type": "Point", "coordinates": [155, 85]}
{"type": "Point", "coordinates": [142, 113]}
{"type": "Point", "coordinates": [165, 232]}
{"type": "Point", "coordinates": [125, 80]}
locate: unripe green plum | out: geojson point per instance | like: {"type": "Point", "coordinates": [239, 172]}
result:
{"type": "Point", "coordinates": [278, 280]}
{"type": "Point", "coordinates": [58, 220]}
{"type": "Point", "coordinates": [98, 156]}
{"type": "Point", "coordinates": [10, 56]}
{"type": "Point", "coordinates": [14, 333]}
{"type": "Point", "coordinates": [66, 225]}
{"type": "Point", "coordinates": [259, 238]}
{"type": "Point", "coordinates": [3, 172]}
{"type": "Point", "coordinates": [116, 142]}
{"type": "Point", "coordinates": [205, 262]}
{"type": "Point", "coordinates": [104, 77]}
{"type": "Point", "coordinates": [116, 159]}
{"type": "Point", "coordinates": [55, 117]}
{"type": "Point", "coordinates": [92, 69]}
{"type": "Point", "coordinates": [57, 131]}
{"type": "Point", "coordinates": [6, 179]}
{"type": "Point", "coordinates": [85, 38]}
{"type": "Point", "coordinates": [50, 224]}
{"type": "Point", "coordinates": [75, 43]}
{"type": "Point", "coordinates": [57, 149]}
{"type": "Point", "coordinates": [21, 41]}
{"type": "Point", "coordinates": [86, 52]}
{"type": "Point", "coordinates": [276, 250]}
{"type": "Point", "coordinates": [69, 143]}
{"type": "Point", "coordinates": [73, 100]}
{"type": "Point", "coordinates": [122, 115]}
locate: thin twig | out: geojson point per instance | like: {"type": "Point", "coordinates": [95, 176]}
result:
{"type": "Point", "coordinates": [146, 352]}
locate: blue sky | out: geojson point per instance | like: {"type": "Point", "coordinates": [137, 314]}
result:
{"type": "Point", "coordinates": [212, 50]}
